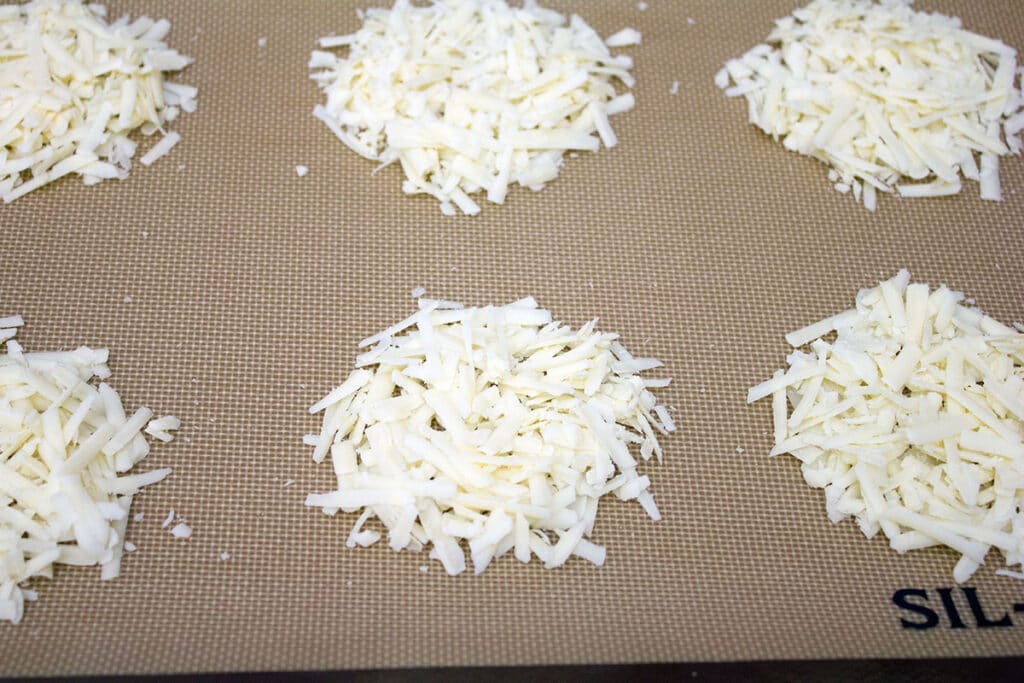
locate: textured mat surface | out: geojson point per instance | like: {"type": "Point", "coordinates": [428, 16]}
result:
{"type": "Point", "coordinates": [698, 239]}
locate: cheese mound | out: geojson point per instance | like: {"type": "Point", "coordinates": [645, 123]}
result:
{"type": "Point", "coordinates": [912, 420]}
{"type": "Point", "coordinates": [72, 89]}
{"type": "Point", "coordinates": [886, 96]}
{"type": "Point", "coordinates": [472, 95]}
{"type": "Point", "coordinates": [494, 425]}
{"type": "Point", "coordinates": [63, 446]}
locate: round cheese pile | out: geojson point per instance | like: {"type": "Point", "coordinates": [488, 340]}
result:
{"type": "Point", "coordinates": [64, 446]}
{"type": "Point", "coordinates": [72, 89]}
{"type": "Point", "coordinates": [494, 425]}
{"type": "Point", "coordinates": [890, 98]}
{"type": "Point", "coordinates": [912, 420]}
{"type": "Point", "coordinates": [472, 95]}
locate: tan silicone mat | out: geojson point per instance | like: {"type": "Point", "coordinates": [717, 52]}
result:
{"type": "Point", "coordinates": [698, 239]}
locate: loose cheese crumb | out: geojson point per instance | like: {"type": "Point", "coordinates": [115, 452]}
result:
{"type": "Point", "coordinates": [161, 427]}
{"type": "Point", "coordinates": [471, 95]}
{"type": "Point", "coordinates": [495, 425]}
{"type": "Point", "coordinates": [912, 420]}
{"type": "Point", "coordinates": [74, 87]}
{"type": "Point", "coordinates": [67, 448]}
{"type": "Point", "coordinates": [160, 149]}
{"type": "Point", "coordinates": [627, 36]}
{"type": "Point", "coordinates": [181, 530]}
{"type": "Point", "coordinates": [1009, 574]}
{"type": "Point", "coordinates": [893, 100]}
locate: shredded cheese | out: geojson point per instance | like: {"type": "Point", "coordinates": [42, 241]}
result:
{"type": "Point", "coordinates": [471, 95]}
{"type": "Point", "coordinates": [73, 88]}
{"type": "Point", "coordinates": [912, 420]}
{"type": "Point", "coordinates": [181, 530]}
{"type": "Point", "coordinates": [627, 36]}
{"type": "Point", "coordinates": [891, 99]}
{"type": "Point", "coordinates": [495, 425]}
{"type": "Point", "coordinates": [67, 448]}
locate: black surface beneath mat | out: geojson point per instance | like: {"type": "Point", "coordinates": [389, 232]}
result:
{"type": "Point", "coordinates": [989, 669]}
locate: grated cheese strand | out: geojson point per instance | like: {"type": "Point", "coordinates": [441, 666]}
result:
{"type": "Point", "coordinates": [494, 425]}
{"type": "Point", "coordinates": [912, 421]}
{"type": "Point", "coordinates": [893, 100]}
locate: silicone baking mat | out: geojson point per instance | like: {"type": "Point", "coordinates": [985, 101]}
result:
{"type": "Point", "coordinates": [698, 239]}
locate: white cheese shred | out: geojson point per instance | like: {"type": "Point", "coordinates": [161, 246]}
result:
{"type": "Point", "coordinates": [66, 451]}
{"type": "Point", "coordinates": [492, 425]}
{"type": "Point", "coordinates": [627, 36]}
{"type": "Point", "coordinates": [73, 88]}
{"type": "Point", "coordinates": [160, 149]}
{"type": "Point", "coordinates": [471, 96]}
{"type": "Point", "coordinates": [181, 530]}
{"type": "Point", "coordinates": [891, 99]}
{"type": "Point", "coordinates": [911, 420]}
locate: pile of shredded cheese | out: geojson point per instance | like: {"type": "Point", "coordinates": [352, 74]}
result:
{"type": "Point", "coordinates": [892, 99]}
{"type": "Point", "coordinates": [912, 420]}
{"type": "Point", "coordinates": [472, 95]}
{"type": "Point", "coordinates": [64, 448]}
{"type": "Point", "coordinates": [73, 88]}
{"type": "Point", "coordinates": [494, 425]}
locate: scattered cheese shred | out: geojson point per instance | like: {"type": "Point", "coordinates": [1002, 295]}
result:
{"type": "Point", "coordinates": [74, 87]}
{"type": "Point", "coordinates": [66, 449]}
{"type": "Point", "coordinates": [912, 420]}
{"type": "Point", "coordinates": [891, 99]}
{"type": "Point", "coordinates": [472, 95]}
{"type": "Point", "coordinates": [627, 36]}
{"type": "Point", "coordinates": [160, 149]}
{"type": "Point", "coordinates": [495, 425]}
